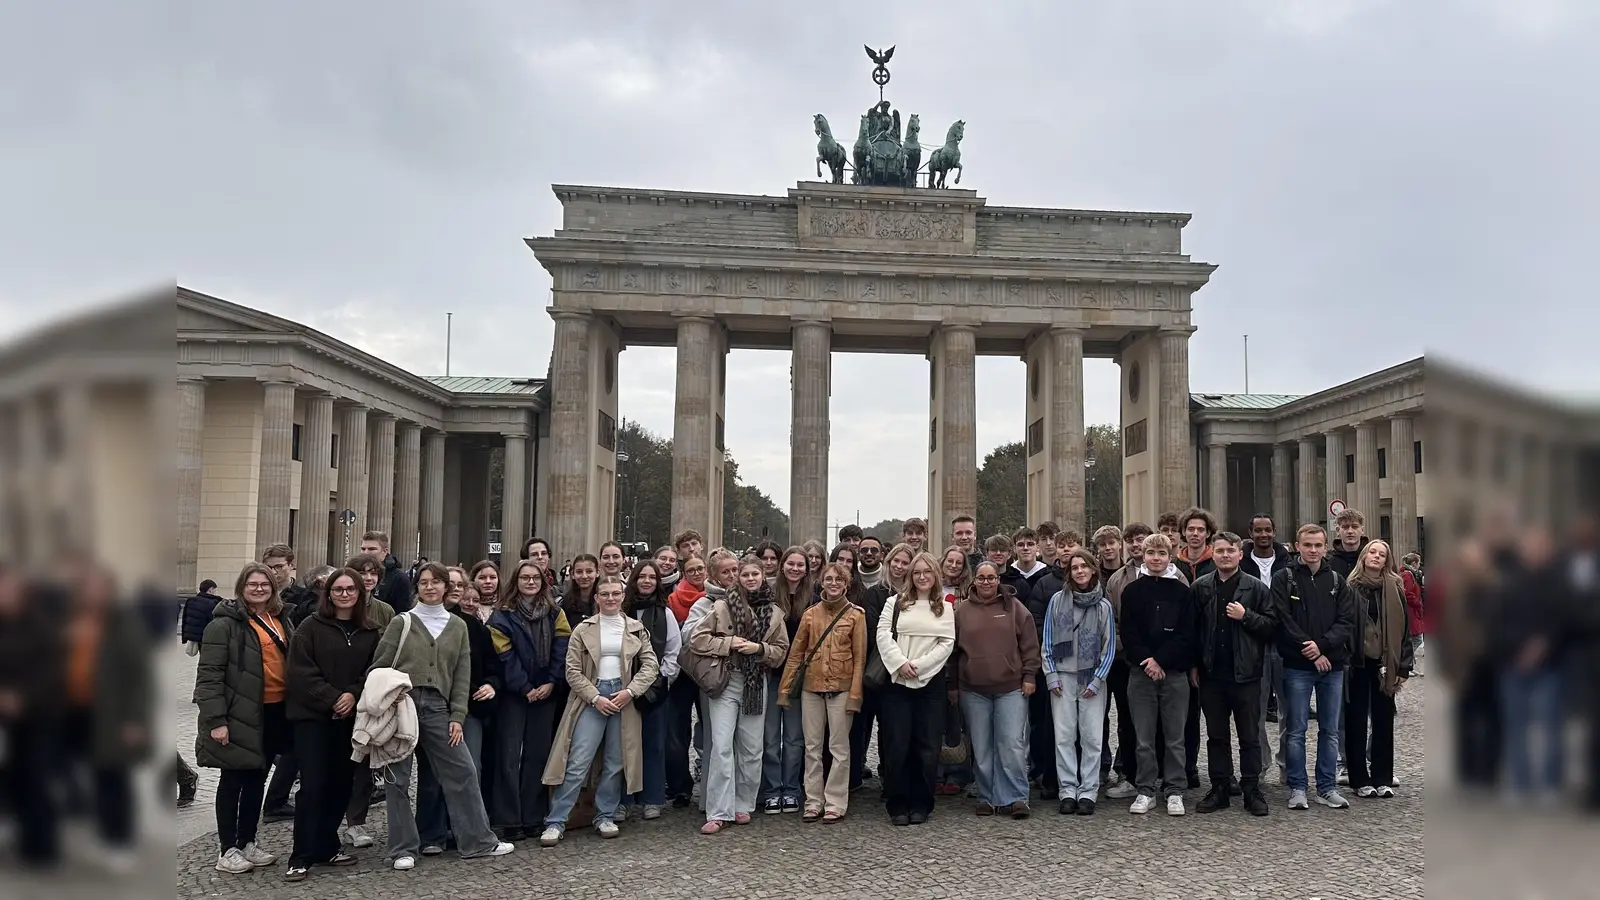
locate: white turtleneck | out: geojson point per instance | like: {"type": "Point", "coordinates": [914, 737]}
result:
{"type": "Point", "coordinates": [433, 618]}
{"type": "Point", "coordinates": [611, 628]}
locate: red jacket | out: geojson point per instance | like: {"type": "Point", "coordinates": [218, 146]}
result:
{"type": "Point", "coordinates": [682, 597]}
{"type": "Point", "coordinates": [1413, 591]}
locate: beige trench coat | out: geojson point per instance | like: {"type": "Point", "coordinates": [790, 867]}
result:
{"type": "Point", "coordinates": [639, 668]}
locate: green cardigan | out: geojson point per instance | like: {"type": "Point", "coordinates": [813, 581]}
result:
{"type": "Point", "coordinates": [443, 663]}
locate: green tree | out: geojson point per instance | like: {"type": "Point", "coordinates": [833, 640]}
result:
{"type": "Point", "coordinates": [1102, 478]}
{"type": "Point", "coordinates": [748, 515]}
{"type": "Point", "coordinates": [1003, 490]}
{"type": "Point", "coordinates": [644, 486]}
{"type": "Point", "coordinates": [887, 531]}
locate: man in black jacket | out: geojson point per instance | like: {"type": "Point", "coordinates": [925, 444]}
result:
{"type": "Point", "coordinates": [1028, 576]}
{"type": "Point", "coordinates": [395, 588]}
{"type": "Point", "coordinates": [1235, 626]}
{"type": "Point", "coordinates": [1266, 558]}
{"type": "Point", "coordinates": [1158, 628]}
{"type": "Point", "coordinates": [1316, 621]}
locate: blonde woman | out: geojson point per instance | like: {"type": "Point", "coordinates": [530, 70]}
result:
{"type": "Point", "coordinates": [831, 646]}
{"type": "Point", "coordinates": [915, 635]}
{"type": "Point", "coordinates": [1378, 672]}
{"type": "Point", "coordinates": [891, 574]}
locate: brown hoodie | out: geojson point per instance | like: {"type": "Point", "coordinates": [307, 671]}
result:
{"type": "Point", "coordinates": [997, 646]}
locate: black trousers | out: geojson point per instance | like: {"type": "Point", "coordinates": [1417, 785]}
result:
{"type": "Point", "coordinates": [1127, 739]}
{"type": "Point", "coordinates": [912, 728]}
{"type": "Point", "coordinates": [526, 731]}
{"type": "Point", "coordinates": [1042, 737]}
{"type": "Point", "coordinates": [113, 802]}
{"type": "Point", "coordinates": [327, 778]}
{"type": "Point", "coordinates": [285, 769]}
{"type": "Point", "coordinates": [1222, 699]}
{"type": "Point", "coordinates": [29, 793]}
{"type": "Point", "coordinates": [1370, 763]}
{"type": "Point", "coordinates": [861, 737]}
{"type": "Point", "coordinates": [680, 732]}
{"type": "Point", "coordinates": [239, 791]}
{"type": "Point", "coordinates": [1479, 728]}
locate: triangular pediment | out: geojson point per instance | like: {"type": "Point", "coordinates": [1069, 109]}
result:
{"type": "Point", "coordinates": [200, 313]}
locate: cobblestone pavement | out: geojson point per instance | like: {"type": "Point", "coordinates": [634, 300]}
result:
{"type": "Point", "coordinates": [1373, 850]}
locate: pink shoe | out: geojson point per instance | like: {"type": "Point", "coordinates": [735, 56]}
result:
{"type": "Point", "coordinates": [713, 826]}
{"type": "Point", "coordinates": [741, 818]}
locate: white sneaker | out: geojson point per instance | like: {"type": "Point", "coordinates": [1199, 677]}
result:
{"type": "Point", "coordinates": [1174, 805]}
{"type": "Point", "coordinates": [501, 849]}
{"type": "Point", "coordinates": [1344, 774]}
{"type": "Point", "coordinates": [405, 863]}
{"type": "Point", "coordinates": [607, 828]}
{"type": "Point", "coordinates": [652, 811]}
{"type": "Point", "coordinates": [550, 837]}
{"type": "Point", "coordinates": [1366, 792]}
{"type": "Point", "coordinates": [1121, 791]}
{"type": "Point", "coordinates": [357, 837]}
{"type": "Point", "coordinates": [258, 856]}
{"type": "Point", "coordinates": [1297, 800]}
{"type": "Point", "coordinates": [233, 862]}
{"type": "Point", "coordinates": [1142, 804]}
{"type": "Point", "coordinates": [1333, 800]}
{"type": "Point", "coordinates": [1385, 791]}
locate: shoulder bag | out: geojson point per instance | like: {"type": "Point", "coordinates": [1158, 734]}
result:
{"type": "Point", "coordinates": [877, 676]}
{"type": "Point", "coordinates": [800, 673]}
{"type": "Point", "coordinates": [710, 673]}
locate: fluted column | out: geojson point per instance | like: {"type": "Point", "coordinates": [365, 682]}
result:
{"type": "Point", "coordinates": [572, 430]}
{"type": "Point", "coordinates": [1308, 504]}
{"type": "Point", "coordinates": [1217, 481]}
{"type": "Point", "coordinates": [1280, 488]}
{"type": "Point", "coordinates": [316, 482]}
{"type": "Point", "coordinates": [380, 477]}
{"type": "Point", "coordinates": [352, 476]}
{"type": "Point", "coordinates": [1334, 476]}
{"type": "Point", "coordinates": [191, 410]}
{"type": "Point", "coordinates": [1067, 438]}
{"type": "Point", "coordinates": [809, 431]}
{"type": "Point", "coordinates": [959, 434]}
{"type": "Point", "coordinates": [694, 425]}
{"type": "Point", "coordinates": [1366, 490]}
{"type": "Point", "coordinates": [1402, 485]}
{"type": "Point", "coordinates": [514, 500]}
{"type": "Point", "coordinates": [273, 496]}
{"type": "Point", "coordinates": [433, 495]}
{"type": "Point", "coordinates": [1177, 454]}
{"type": "Point", "coordinates": [407, 489]}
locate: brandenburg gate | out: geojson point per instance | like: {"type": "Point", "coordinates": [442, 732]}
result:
{"type": "Point", "coordinates": [882, 265]}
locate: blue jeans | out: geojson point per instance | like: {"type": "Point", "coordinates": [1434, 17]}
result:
{"type": "Point", "coordinates": [653, 735]}
{"type": "Point", "coordinates": [1298, 685]}
{"type": "Point", "coordinates": [1531, 704]}
{"type": "Point", "coordinates": [783, 746]}
{"type": "Point", "coordinates": [593, 729]}
{"type": "Point", "coordinates": [433, 820]}
{"type": "Point", "coordinates": [998, 729]}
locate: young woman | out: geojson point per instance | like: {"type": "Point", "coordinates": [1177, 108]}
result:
{"type": "Point", "coordinates": [485, 576]}
{"type": "Point", "coordinates": [955, 574]}
{"type": "Point", "coordinates": [666, 562]}
{"type": "Point", "coordinates": [747, 628]}
{"type": "Point", "coordinates": [996, 658]}
{"type": "Point", "coordinates": [685, 695]}
{"type": "Point", "coordinates": [240, 690]}
{"type": "Point", "coordinates": [365, 792]}
{"type": "Point", "coordinates": [578, 601]}
{"type": "Point", "coordinates": [609, 663]}
{"type": "Point", "coordinates": [1080, 642]}
{"type": "Point", "coordinates": [784, 741]}
{"type": "Point", "coordinates": [612, 560]}
{"type": "Point", "coordinates": [1378, 672]}
{"type": "Point", "coordinates": [328, 661]}
{"type": "Point", "coordinates": [816, 557]}
{"type": "Point", "coordinates": [647, 602]}
{"type": "Point", "coordinates": [915, 636]}
{"type": "Point", "coordinates": [831, 644]}
{"type": "Point", "coordinates": [430, 646]}
{"type": "Point", "coordinates": [464, 595]}
{"type": "Point", "coordinates": [530, 635]}
{"type": "Point", "coordinates": [769, 553]}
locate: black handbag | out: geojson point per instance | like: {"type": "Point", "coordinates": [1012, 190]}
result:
{"type": "Point", "coordinates": [877, 675]}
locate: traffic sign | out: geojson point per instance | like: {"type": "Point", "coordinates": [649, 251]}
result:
{"type": "Point", "coordinates": [348, 517]}
{"type": "Point", "coordinates": [1336, 508]}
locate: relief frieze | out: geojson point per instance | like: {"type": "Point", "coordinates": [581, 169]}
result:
{"type": "Point", "coordinates": [886, 225]}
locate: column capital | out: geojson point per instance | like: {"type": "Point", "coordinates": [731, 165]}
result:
{"type": "Point", "coordinates": [569, 315]}
{"type": "Point", "coordinates": [1069, 328]}
{"type": "Point", "coordinates": [379, 415]}
{"type": "Point", "coordinates": [1217, 443]}
{"type": "Point", "coordinates": [680, 318]}
{"type": "Point", "coordinates": [948, 327]}
{"type": "Point", "coordinates": [797, 321]}
{"type": "Point", "coordinates": [192, 379]}
{"type": "Point", "coordinates": [1182, 331]}
{"type": "Point", "coordinates": [277, 379]}
{"type": "Point", "coordinates": [514, 435]}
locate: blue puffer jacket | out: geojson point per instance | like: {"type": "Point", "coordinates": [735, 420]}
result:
{"type": "Point", "coordinates": [197, 615]}
{"type": "Point", "coordinates": [513, 641]}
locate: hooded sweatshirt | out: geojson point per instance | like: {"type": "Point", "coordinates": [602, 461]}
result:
{"type": "Point", "coordinates": [1158, 621]}
{"type": "Point", "coordinates": [997, 645]}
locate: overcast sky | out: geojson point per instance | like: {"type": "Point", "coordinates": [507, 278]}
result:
{"type": "Point", "coordinates": [1372, 178]}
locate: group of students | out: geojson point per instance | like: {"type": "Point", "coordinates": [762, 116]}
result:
{"type": "Point", "coordinates": [530, 704]}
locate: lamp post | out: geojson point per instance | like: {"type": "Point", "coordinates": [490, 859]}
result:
{"type": "Point", "coordinates": [1088, 488]}
{"type": "Point", "coordinates": [622, 474]}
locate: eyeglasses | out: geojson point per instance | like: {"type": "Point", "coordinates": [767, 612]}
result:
{"type": "Point", "coordinates": [695, 570]}
{"type": "Point", "coordinates": [348, 589]}
{"type": "Point", "coordinates": [987, 578]}
{"type": "Point", "coordinates": [257, 586]}
{"type": "Point", "coordinates": [530, 578]}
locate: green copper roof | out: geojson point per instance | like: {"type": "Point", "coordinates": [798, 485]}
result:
{"type": "Point", "coordinates": [479, 384]}
{"type": "Point", "coordinates": [1241, 401]}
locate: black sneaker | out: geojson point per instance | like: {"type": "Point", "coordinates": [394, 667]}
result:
{"type": "Point", "coordinates": [1215, 799]}
{"type": "Point", "coordinates": [1255, 802]}
{"type": "Point", "coordinates": [773, 806]}
{"type": "Point", "coordinates": [900, 820]}
{"type": "Point", "coordinates": [1085, 807]}
{"type": "Point", "coordinates": [791, 804]}
{"type": "Point", "coordinates": [1068, 807]}
{"type": "Point", "coordinates": [680, 802]}
{"type": "Point", "coordinates": [1272, 716]}
{"type": "Point", "coordinates": [1234, 790]}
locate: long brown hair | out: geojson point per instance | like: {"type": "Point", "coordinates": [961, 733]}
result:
{"type": "Point", "coordinates": [325, 607]}
{"type": "Point", "coordinates": [509, 591]}
{"type": "Point", "coordinates": [274, 604]}
{"type": "Point", "coordinates": [1094, 570]}
{"type": "Point", "coordinates": [792, 602]}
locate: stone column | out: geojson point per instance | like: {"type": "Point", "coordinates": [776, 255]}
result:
{"type": "Point", "coordinates": [316, 482]}
{"type": "Point", "coordinates": [571, 430]}
{"type": "Point", "coordinates": [1402, 485]}
{"type": "Point", "coordinates": [514, 500]}
{"type": "Point", "coordinates": [809, 378]}
{"type": "Point", "coordinates": [352, 476]}
{"type": "Point", "coordinates": [1366, 489]}
{"type": "Point", "coordinates": [1280, 488]}
{"type": "Point", "coordinates": [959, 435]}
{"type": "Point", "coordinates": [1177, 455]}
{"type": "Point", "coordinates": [190, 429]}
{"type": "Point", "coordinates": [1308, 504]}
{"type": "Point", "coordinates": [1067, 437]}
{"type": "Point", "coordinates": [1334, 476]}
{"type": "Point", "coordinates": [694, 425]}
{"type": "Point", "coordinates": [407, 489]}
{"type": "Point", "coordinates": [380, 479]}
{"type": "Point", "coordinates": [432, 506]}
{"type": "Point", "coordinates": [273, 497]}
{"type": "Point", "coordinates": [1217, 481]}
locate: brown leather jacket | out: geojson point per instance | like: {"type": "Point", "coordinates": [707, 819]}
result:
{"type": "Point", "coordinates": [839, 662]}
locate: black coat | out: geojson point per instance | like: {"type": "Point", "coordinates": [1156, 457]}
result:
{"type": "Point", "coordinates": [1251, 635]}
{"type": "Point", "coordinates": [228, 687]}
{"type": "Point", "coordinates": [1029, 590]}
{"type": "Point", "coordinates": [1158, 620]}
{"type": "Point", "coordinates": [485, 664]}
{"type": "Point", "coordinates": [323, 664]}
{"type": "Point", "coordinates": [196, 616]}
{"type": "Point", "coordinates": [1313, 608]}
{"type": "Point", "coordinates": [395, 588]}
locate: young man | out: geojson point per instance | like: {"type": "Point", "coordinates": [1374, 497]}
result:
{"type": "Point", "coordinates": [298, 600]}
{"type": "Point", "coordinates": [1197, 527]}
{"type": "Point", "coordinates": [914, 532]}
{"type": "Point", "coordinates": [1236, 625]}
{"type": "Point", "coordinates": [964, 534]}
{"type": "Point", "coordinates": [395, 588]}
{"type": "Point", "coordinates": [280, 559]}
{"type": "Point", "coordinates": [1068, 542]}
{"type": "Point", "coordinates": [869, 564]}
{"type": "Point", "coordinates": [1345, 554]}
{"type": "Point", "coordinates": [1316, 621]}
{"type": "Point", "coordinates": [1168, 526]}
{"type": "Point", "coordinates": [1266, 557]}
{"type": "Point", "coordinates": [1047, 532]}
{"type": "Point", "coordinates": [1108, 551]}
{"type": "Point", "coordinates": [689, 543]}
{"type": "Point", "coordinates": [1158, 628]}
{"type": "Point", "coordinates": [850, 536]}
{"type": "Point", "coordinates": [1029, 578]}
{"type": "Point", "coordinates": [1125, 766]}
{"type": "Point", "coordinates": [997, 549]}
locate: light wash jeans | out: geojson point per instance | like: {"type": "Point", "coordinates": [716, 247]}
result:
{"type": "Point", "coordinates": [433, 820]}
{"type": "Point", "coordinates": [1298, 686]}
{"type": "Point", "coordinates": [998, 729]}
{"type": "Point", "coordinates": [593, 729]}
{"type": "Point", "coordinates": [1079, 727]}
{"type": "Point", "coordinates": [1532, 709]}
{"type": "Point", "coordinates": [783, 746]}
{"type": "Point", "coordinates": [732, 769]}
{"type": "Point", "coordinates": [457, 776]}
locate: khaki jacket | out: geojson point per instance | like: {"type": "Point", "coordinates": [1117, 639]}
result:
{"type": "Point", "coordinates": [639, 669]}
{"type": "Point", "coordinates": [839, 663]}
{"type": "Point", "coordinates": [713, 636]}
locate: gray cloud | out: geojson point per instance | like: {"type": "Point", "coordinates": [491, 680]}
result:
{"type": "Point", "coordinates": [1373, 178]}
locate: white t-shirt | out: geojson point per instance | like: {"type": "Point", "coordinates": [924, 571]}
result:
{"type": "Point", "coordinates": [610, 647]}
{"type": "Point", "coordinates": [1264, 566]}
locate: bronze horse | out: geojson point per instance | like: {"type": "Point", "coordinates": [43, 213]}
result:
{"type": "Point", "coordinates": [828, 150]}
